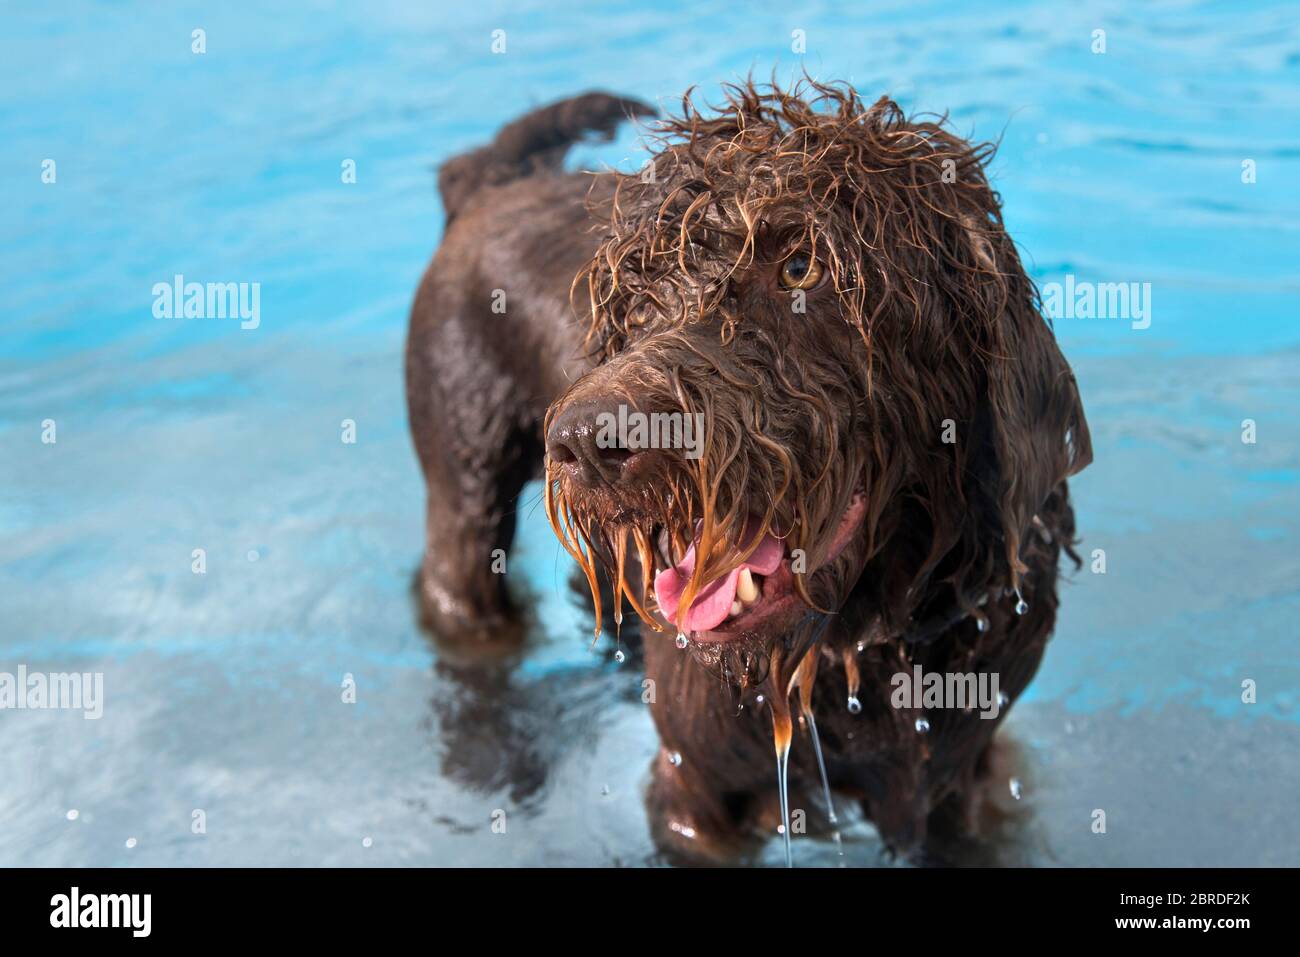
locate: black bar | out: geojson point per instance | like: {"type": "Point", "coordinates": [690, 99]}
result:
{"type": "Point", "coordinates": [214, 906]}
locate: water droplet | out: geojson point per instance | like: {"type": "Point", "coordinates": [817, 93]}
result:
{"type": "Point", "coordinates": [682, 640]}
{"type": "Point", "coordinates": [855, 706]}
{"type": "Point", "coordinates": [685, 830]}
{"type": "Point", "coordinates": [1003, 699]}
{"type": "Point", "coordinates": [252, 555]}
{"type": "Point", "coordinates": [780, 829]}
{"type": "Point", "coordinates": [922, 725]}
{"type": "Point", "coordinates": [130, 843]}
{"type": "Point", "coordinates": [366, 842]}
{"type": "Point", "coordinates": [862, 646]}
{"type": "Point", "coordinates": [1015, 788]}
{"type": "Point", "coordinates": [619, 656]}
{"type": "Point", "coordinates": [1022, 606]}
{"type": "Point", "coordinates": [675, 759]}
{"type": "Point", "coordinates": [981, 624]}
{"type": "Point", "coordinates": [604, 789]}
{"type": "Point", "coordinates": [760, 699]}
{"type": "Point", "coordinates": [73, 814]}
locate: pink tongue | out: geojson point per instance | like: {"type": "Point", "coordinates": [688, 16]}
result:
{"type": "Point", "coordinates": [713, 604]}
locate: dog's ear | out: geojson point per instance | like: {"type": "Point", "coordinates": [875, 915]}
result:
{"type": "Point", "coordinates": [1038, 430]}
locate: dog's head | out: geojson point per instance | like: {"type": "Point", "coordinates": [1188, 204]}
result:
{"type": "Point", "coordinates": [822, 381]}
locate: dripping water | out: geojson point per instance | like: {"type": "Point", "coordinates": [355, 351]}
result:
{"type": "Point", "coordinates": [782, 732]}
{"type": "Point", "coordinates": [826, 784]}
{"type": "Point", "coordinates": [782, 736]}
{"type": "Point", "coordinates": [805, 679]}
{"type": "Point", "coordinates": [821, 765]}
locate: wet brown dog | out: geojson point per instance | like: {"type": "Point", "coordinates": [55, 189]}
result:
{"type": "Point", "coordinates": [810, 424]}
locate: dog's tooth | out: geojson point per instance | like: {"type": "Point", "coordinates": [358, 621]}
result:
{"type": "Point", "coordinates": [745, 588]}
{"type": "Point", "coordinates": [736, 608]}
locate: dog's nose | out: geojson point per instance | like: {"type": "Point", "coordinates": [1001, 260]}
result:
{"type": "Point", "coordinates": [584, 440]}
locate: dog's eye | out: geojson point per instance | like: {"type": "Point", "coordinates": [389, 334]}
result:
{"type": "Point", "coordinates": [801, 272]}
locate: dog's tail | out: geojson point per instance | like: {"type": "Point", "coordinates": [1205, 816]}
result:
{"type": "Point", "coordinates": [535, 142]}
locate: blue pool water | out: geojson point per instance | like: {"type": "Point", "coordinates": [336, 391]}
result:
{"type": "Point", "coordinates": [223, 690]}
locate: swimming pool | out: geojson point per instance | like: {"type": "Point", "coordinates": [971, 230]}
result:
{"type": "Point", "coordinates": [1168, 161]}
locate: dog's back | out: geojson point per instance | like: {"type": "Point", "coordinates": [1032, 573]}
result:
{"type": "Point", "coordinates": [492, 340]}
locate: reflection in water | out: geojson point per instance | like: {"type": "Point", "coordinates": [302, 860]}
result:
{"type": "Point", "coordinates": [500, 728]}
